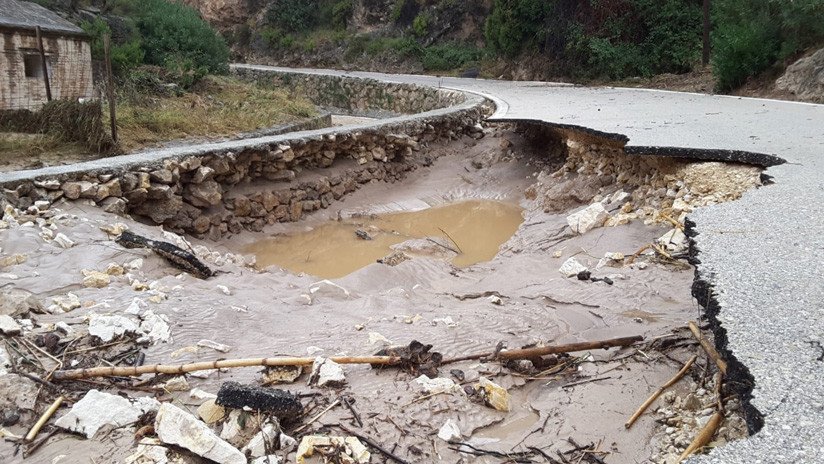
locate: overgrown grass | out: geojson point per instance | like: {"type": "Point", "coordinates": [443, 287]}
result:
{"type": "Point", "coordinates": [216, 106]}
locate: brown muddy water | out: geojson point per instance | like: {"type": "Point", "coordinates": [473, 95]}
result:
{"type": "Point", "coordinates": [475, 229]}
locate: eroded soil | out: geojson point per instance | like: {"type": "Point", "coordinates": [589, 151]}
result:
{"type": "Point", "coordinates": [516, 297]}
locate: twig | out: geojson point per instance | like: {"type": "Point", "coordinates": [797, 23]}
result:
{"type": "Point", "coordinates": [638, 253]}
{"type": "Point", "coordinates": [133, 371]}
{"type": "Point", "coordinates": [317, 416]}
{"type": "Point", "coordinates": [573, 384]}
{"type": "Point", "coordinates": [43, 419]}
{"type": "Point", "coordinates": [373, 444]}
{"type": "Point", "coordinates": [528, 353]}
{"type": "Point", "coordinates": [453, 240]}
{"type": "Point", "coordinates": [704, 436]}
{"type": "Point", "coordinates": [347, 402]}
{"type": "Point", "coordinates": [658, 392]}
{"type": "Point", "coordinates": [710, 350]}
{"type": "Point", "coordinates": [35, 446]}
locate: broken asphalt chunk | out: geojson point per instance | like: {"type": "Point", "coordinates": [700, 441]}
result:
{"type": "Point", "coordinates": [280, 403]}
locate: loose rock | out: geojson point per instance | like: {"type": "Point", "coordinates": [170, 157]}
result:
{"type": "Point", "coordinates": [326, 373]}
{"type": "Point", "coordinates": [177, 427]}
{"type": "Point", "coordinates": [98, 409]}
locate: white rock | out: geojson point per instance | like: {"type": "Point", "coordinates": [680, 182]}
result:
{"type": "Point", "coordinates": [63, 327]}
{"type": "Point", "coordinates": [571, 267]}
{"type": "Point", "coordinates": [214, 345]}
{"type": "Point", "coordinates": [355, 450]}
{"type": "Point", "coordinates": [95, 279]}
{"type": "Point", "coordinates": [8, 326]}
{"type": "Point", "coordinates": [176, 426]}
{"type": "Point", "coordinates": [198, 394]}
{"type": "Point", "coordinates": [136, 307]}
{"type": "Point", "coordinates": [211, 412]}
{"type": "Point", "coordinates": [155, 327]}
{"type": "Point", "coordinates": [265, 439]}
{"type": "Point", "coordinates": [328, 288]}
{"type": "Point", "coordinates": [438, 385]}
{"type": "Point", "coordinates": [224, 289]}
{"type": "Point", "coordinates": [449, 431]}
{"type": "Point", "coordinates": [178, 383]}
{"type": "Point", "coordinates": [447, 321]}
{"type": "Point", "coordinates": [674, 240]}
{"type": "Point", "coordinates": [375, 338]}
{"type": "Point", "coordinates": [135, 264]}
{"type": "Point", "coordinates": [98, 409]}
{"type": "Point", "coordinates": [270, 459]}
{"type": "Point", "coordinates": [67, 302]}
{"type": "Point", "coordinates": [313, 350]}
{"type": "Point", "coordinates": [495, 299]}
{"type": "Point", "coordinates": [107, 328]}
{"type": "Point", "coordinates": [149, 451]}
{"type": "Point", "coordinates": [618, 197]}
{"type": "Point", "coordinates": [5, 362]}
{"type": "Point", "coordinates": [588, 218]}
{"type": "Point", "coordinates": [63, 241]}
{"type": "Point", "coordinates": [326, 372]}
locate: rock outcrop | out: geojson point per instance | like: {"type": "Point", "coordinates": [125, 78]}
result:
{"type": "Point", "coordinates": [805, 78]}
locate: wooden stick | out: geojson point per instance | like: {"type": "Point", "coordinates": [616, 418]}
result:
{"type": "Point", "coordinates": [711, 351]}
{"type": "Point", "coordinates": [545, 350]}
{"type": "Point", "coordinates": [110, 85]}
{"type": "Point", "coordinates": [317, 416]}
{"type": "Point", "coordinates": [43, 61]}
{"type": "Point", "coordinates": [373, 444]}
{"type": "Point", "coordinates": [704, 436]}
{"type": "Point", "coordinates": [658, 392]}
{"type": "Point", "coordinates": [133, 371]}
{"type": "Point", "coordinates": [43, 419]}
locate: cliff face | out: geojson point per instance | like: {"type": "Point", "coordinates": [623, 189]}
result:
{"type": "Point", "coordinates": [223, 14]}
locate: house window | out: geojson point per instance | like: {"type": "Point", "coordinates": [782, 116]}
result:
{"type": "Point", "coordinates": [33, 65]}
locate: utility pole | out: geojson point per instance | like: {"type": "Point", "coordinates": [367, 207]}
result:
{"type": "Point", "coordinates": [705, 58]}
{"type": "Point", "coordinates": [43, 61]}
{"type": "Point", "coordinates": [110, 85]}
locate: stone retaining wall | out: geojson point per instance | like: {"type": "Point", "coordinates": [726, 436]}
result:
{"type": "Point", "coordinates": [358, 96]}
{"type": "Point", "coordinates": [213, 189]}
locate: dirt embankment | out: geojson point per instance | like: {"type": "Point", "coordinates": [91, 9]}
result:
{"type": "Point", "coordinates": [82, 300]}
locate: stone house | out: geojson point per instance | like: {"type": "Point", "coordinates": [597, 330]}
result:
{"type": "Point", "coordinates": [68, 57]}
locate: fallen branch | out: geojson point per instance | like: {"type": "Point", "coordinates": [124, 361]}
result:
{"type": "Point", "coordinates": [704, 436]}
{"type": "Point", "coordinates": [452, 239]}
{"type": "Point", "coordinates": [528, 353]}
{"type": "Point", "coordinates": [658, 392]}
{"type": "Point", "coordinates": [43, 419]}
{"type": "Point", "coordinates": [134, 371]}
{"type": "Point", "coordinates": [708, 348]}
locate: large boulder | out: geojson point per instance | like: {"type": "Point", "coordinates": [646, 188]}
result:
{"type": "Point", "coordinates": [18, 302]}
{"type": "Point", "coordinates": [805, 78]}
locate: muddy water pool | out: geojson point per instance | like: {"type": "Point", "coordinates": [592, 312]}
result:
{"type": "Point", "coordinates": [475, 229]}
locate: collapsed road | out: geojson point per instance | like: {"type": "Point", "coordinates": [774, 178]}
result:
{"type": "Point", "coordinates": [628, 278]}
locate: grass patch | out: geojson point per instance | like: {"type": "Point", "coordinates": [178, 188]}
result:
{"type": "Point", "coordinates": [216, 106]}
{"type": "Point", "coordinates": [31, 151]}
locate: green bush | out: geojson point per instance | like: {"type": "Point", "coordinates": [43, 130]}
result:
{"type": "Point", "coordinates": [450, 56]}
{"type": "Point", "coordinates": [341, 11]}
{"type": "Point", "coordinates": [292, 15]}
{"type": "Point", "coordinates": [174, 36]}
{"type": "Point", "coordinates": [420, 25]}
{"type": "Point", "coordinates": [516, 25]}
{"type": "Point", "coordinates": [750, 36]}
{"type": "Point", "coordinates": [125, 56]}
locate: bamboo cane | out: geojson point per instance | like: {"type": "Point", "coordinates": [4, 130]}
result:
{"type": "Point", "coordinates": [207, 365]}
{"type": "Point", "coordinates": [704, 436]}
{"type": "Point", "coordinates": [711, 351]}
{"type": "Point", "coordinates": [43, 419]}
{"type": "Point", "coordinates": [658, 392]}
{"type": "Point", "coordinates": [528, 353]}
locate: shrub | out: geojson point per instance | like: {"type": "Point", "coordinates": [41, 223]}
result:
{"type": "Point", "coordinates": [341, 12]}
{"type": "Point", "coordinates": [175, 36]}
{"type": "Point", "coordinates": [420, 25]}
{"type": "Point", "coordinates": [66, 120]}
{"type": "Point", "coordinates": [292, 15]}
{"type": "Point", "coordinates": [125, 56]}
{"type": "Point", "coordinates": [748, 38]}
{"type": "Point", "coordinates": [450, 56]}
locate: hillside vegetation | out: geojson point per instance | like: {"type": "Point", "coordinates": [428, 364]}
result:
{"type": "Point", "coordinates": [575, 39]}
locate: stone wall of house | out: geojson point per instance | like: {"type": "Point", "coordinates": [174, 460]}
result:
{"type": "Point", "coordinates": [209, 191]}
{"type": "Point", "coordinates": [358, 96]}
{"type": "Point", "coordinates": [70, 69]}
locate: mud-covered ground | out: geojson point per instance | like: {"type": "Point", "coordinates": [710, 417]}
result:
{"type": "Point", "coordinates": [519, 298]}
